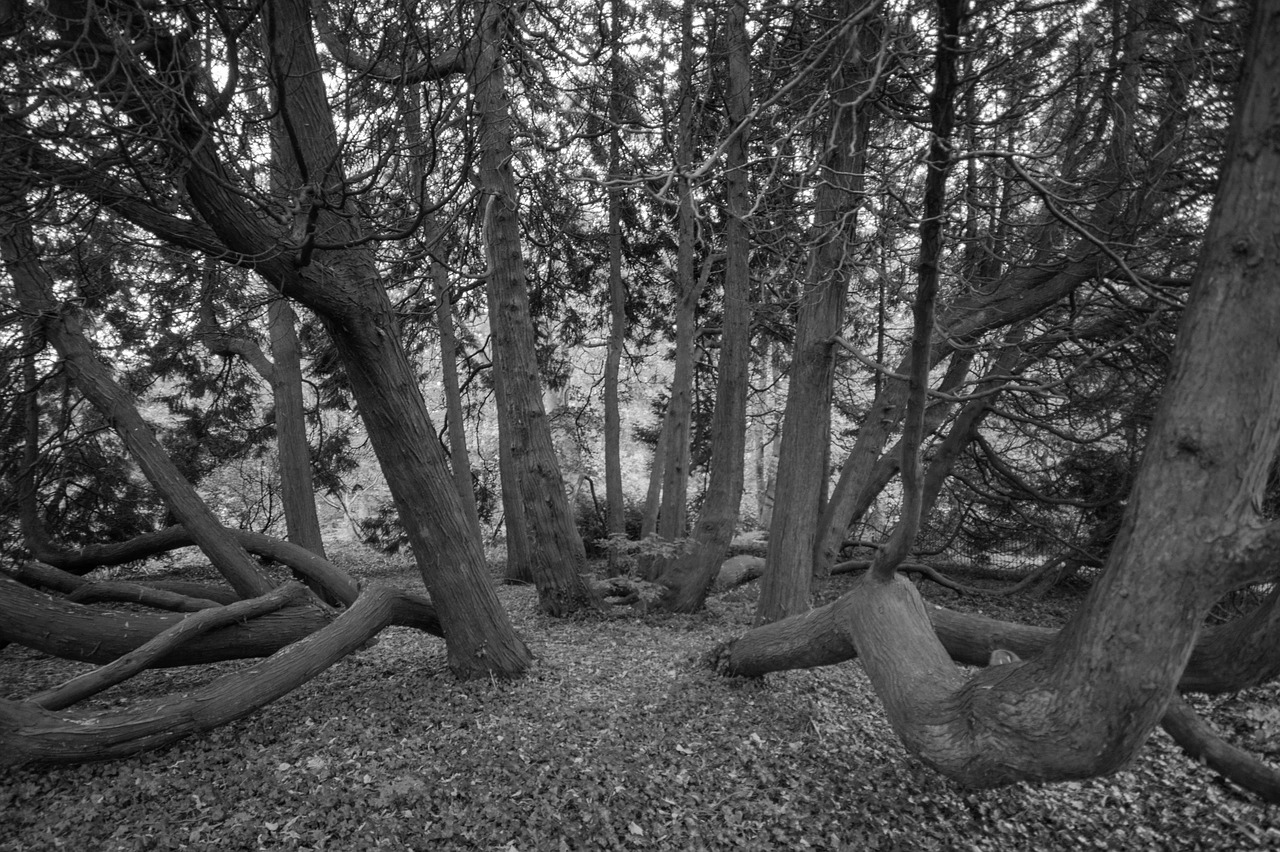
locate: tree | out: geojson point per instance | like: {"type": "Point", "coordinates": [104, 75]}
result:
{"type": "Point", "coordinates": [802, 455]}
{"type": "Point", "coordinates": [310, 246]}
{"type": "Point", "coordinates": [557, 557]}
{"type": "Point", "coordinates": [64, 329]}
{"type": "Point", "coordinates": [1192, 531]}
{"type": "Point", "coordinates": [678, 419]}
{"type": "Point", "coordinates": [687, 577]}
{"type": "Point", "coordinates": [283, 372]}
{"type": "Point", "coordinates": [1126, 112]}
{"type": "Point", "coordinates": [614, 498]}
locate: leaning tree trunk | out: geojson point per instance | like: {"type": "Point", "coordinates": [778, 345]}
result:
{"type": "Point", "coordinates": [346, 291]}
{"type": "Point", "coordinates": [31, 733]}
{"type": "Point", "coordinates": [61, 326]}
{"type": "Point", "coordinates": [557, 556]}
{"type": "Point", "coordinates": [688, 577]}
{"type": "Point", "coordinates": [1192, 530]}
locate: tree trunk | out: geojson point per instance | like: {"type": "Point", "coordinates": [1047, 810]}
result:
{"type": "Point", "coordinates": [61, 326]}
{"type": "Point", "coordinates": [1192, 530]}
{"type": "Point", "coordinates": [557, 556]}
{"type": "Point", "coordinates": [519, 567]}
{"type": "Point", "coordinates": [802, 473]}
{"type": "Point", "coordinates": [283, 372]}
{"type": "Point", "coordinates": [32, 734]}
{"type": "Point", "coordinates": [688, 577]}
{"type": "Point", "coordinates": [937, 166]}
{"type": "Point", "coordinates": [653, 496]}
{"type": "Point", "coordinates": [766, 446]}
{"type": "Point", "coordinates": [74, 631]}
{"type": "Point", "coordinates": [459, 460]}
{"type": "Point", "coordinates": [673, 513]}
{"type": "Point", "coordinates": [615, 501]}
{"type": "Point", "coordinates": [292, 446]}
{"type": "Point", "coordinates": [343, 287]}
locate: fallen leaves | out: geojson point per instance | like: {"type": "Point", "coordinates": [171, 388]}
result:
{"type": "Point", "coordinates": [615, 740]}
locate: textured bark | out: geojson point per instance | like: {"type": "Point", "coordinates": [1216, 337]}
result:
{"type": "Point", "coordinates": [342, 285]}
{"type": "Point", "coordinates": [32, 734]}
{"type": "Point", "coordinates": [126, 666]}
{"type": "Point", "coordinates": [673, 521]}
{"type": "Point", "coordinates": [72, 631]}
{"type": "Point", "coordinates": [688, 577]}
{"type": "Point", "coordinates": [802, 474]}
{"type": "Point", "coordinates": [1192, 529]}
{"type": "Point", "coordinates": [519, 567]}
{"type": "Point", "coordinates": [557, 556]}
{"type": "Point", "coordinates": [292, 447]}
{"type": "Point", "coordinates": [321, 259]}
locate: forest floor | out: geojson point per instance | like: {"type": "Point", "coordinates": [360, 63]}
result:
{"type": "Point", "coordinates": [617, 739]}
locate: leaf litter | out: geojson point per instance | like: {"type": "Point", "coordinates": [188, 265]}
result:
{"type": "Point", "coordinates": [616, 739]}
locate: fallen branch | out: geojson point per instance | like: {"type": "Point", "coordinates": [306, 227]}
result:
{"type": "Point", "coordinates": [1228, 657]}
{"type": "Point", "coordinates": [73, 631]}
{"type": "Point", "coordinates": [1202, 743]}
{"type": "Point", "coordinates": [124, 667]}
{"type": "Point", "coordinates": [100, 591]}
{"type": "Point", "coordinates": [31, 734]}
{"type": "Point", "coordinates": [333, 580]}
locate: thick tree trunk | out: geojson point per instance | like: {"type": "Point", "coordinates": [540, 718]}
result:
{"type": "Point", "coordinates": [1192, 530]}
{"type": "Point", "coordinates": [688, 577]}
{"type": "Point", "coordinates": [557, 556]}
{"type": "Point", "coordinates": [126, 666]}
{"type": "Point", "coordinates": [785, 589]}
{"type": "Point", "coordinates": [75, 631]}
{"type": "Point", "coordinates": [345, 290]}
{"type": "Point", "coordinates": [1227, 658]}
{"type": "Point", "coordinates": [323, 260]}
{"type": "Point", "coordinates": [31, 734]}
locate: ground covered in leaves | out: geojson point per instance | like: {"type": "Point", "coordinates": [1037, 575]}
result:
{"type": "Point", "coordinates": [617, 739]}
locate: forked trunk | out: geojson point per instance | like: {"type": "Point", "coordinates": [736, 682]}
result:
{"type": "Point", "coordinates": [1192, 530]}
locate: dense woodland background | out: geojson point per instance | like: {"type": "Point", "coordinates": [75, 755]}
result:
{"type": "Point", "coordinates": [591, 297]}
